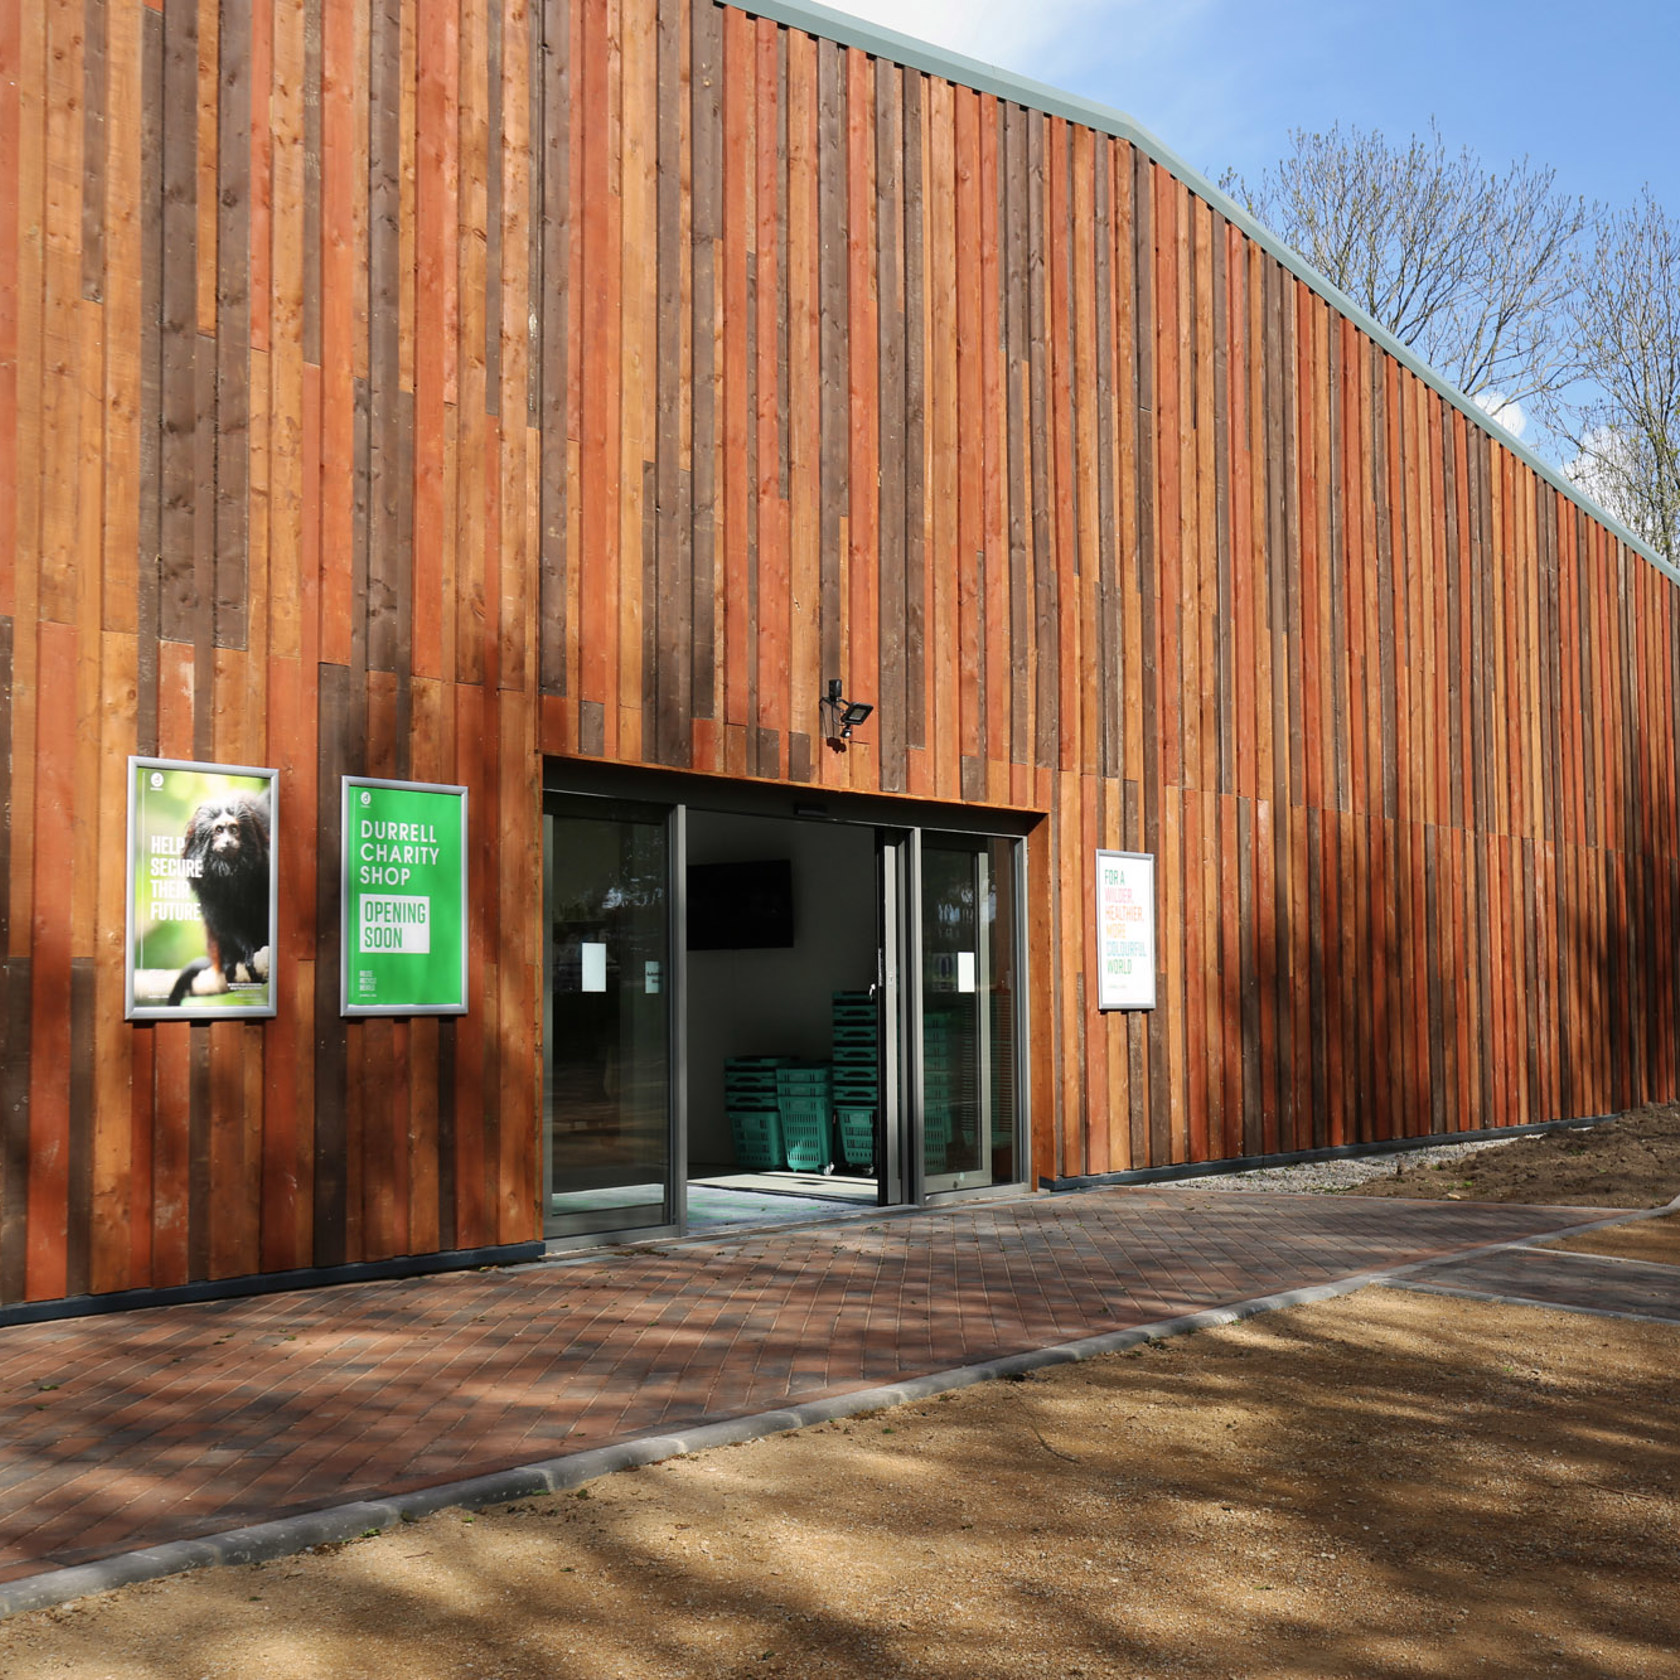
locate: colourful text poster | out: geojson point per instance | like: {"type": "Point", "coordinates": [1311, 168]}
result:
{"type": "Point", "coordinates": [1125, 930]}
{"type": "Point", "coordinates": [404, 935]}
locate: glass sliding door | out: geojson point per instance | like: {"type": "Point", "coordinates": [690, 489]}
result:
{"type": "Point", "coordinates": [608, 1129]}
{"type": "Point", "coordinates": [970, 1010]}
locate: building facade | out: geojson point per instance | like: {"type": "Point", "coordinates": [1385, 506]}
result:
{"type": "Point", "coordinates": [553, 399]}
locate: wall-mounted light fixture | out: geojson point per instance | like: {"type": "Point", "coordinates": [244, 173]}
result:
{"type": "Point", "coordinates": [841, 716]}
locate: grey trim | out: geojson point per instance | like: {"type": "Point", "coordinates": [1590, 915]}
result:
{"type": "Point", "coordinates": [289, 1535]}
{"type": "Point", "coordinates": [676, 1015]}
{"type": "Point", "coordinates": [987, 78]}
{"type": "Point", "coordinates": [1305, 1157]}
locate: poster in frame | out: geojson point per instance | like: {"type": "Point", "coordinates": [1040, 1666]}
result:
{"type": "Point", "coordinates": [203, 891]}
{"type": "Point", "coordinates": [403, 905]}
{"type": "Point", "coordinates": [1125, 931]}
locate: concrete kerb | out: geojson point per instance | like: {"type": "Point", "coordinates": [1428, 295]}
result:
{"type": "Point", "coordinates": [361, 1519]}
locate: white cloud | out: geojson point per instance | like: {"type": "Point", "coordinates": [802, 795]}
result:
{"type": "Point", "coordinates": [1502, 411]}
{"type": "Point", "coordinates": [1608, 461]}
{"type": "Point", "coordinates": [1012, 36]}
{"type": "Point", "coordinates": [1094, 46]}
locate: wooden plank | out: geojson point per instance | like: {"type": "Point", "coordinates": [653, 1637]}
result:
{"type": "Point", "coordinates": [992, 351]}
{"type": "Point", "coordinates": [830, 440]}
{"type": "Point", "coordinates": [517, 510]}
{"type": "Point", "coordinates": [12, 188]}
{"type": "Point", "coordinates": [735, 245]}
{"type": "Point", "coordinates": [859, 416]}
{"type": "Point", "coordinates": [179, 387]}
{"type": "Point", "coordinates": [706, 237]}
{"type": "Point", "coordinates": [916, 604]}
{"type": "Point", "coordinates": [49, 1164]}
{"type": "Point", "coordinates": [1128, 581]}
{"type": "Point", "coordinates": [944, 561]}
{"type": "Point", "coordinates": [232, 246]}
{"type": "Point", "coordinates": [331, 1238]}
{"type": "Point", "coordinates": [636, 441]}
{"type": "Point", "coordinates": [669, 672]}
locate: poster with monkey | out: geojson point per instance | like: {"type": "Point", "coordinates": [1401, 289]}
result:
{"type": "Point", "coordinates": [202, 890]}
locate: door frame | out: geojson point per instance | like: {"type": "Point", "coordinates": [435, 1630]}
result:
{"type": "Point", "coordinates": [898, 824]}
{"type": "Point", "coordinates": [554, 802]}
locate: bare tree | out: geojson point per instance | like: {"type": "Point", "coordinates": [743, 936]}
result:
{"type": "Point", "coordinates": [1469, 267]}
{"type": "Point", "coordinates": [1624, 420]}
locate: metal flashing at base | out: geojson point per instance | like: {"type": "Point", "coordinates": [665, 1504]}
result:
{"type": "Point", "coordinates": [1306, 1157]}
{"type": "Point", "coordinates": [268, 1283]}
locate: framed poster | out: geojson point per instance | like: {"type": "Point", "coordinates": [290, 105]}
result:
{"type": "Point", "coordinates": [1125, 930]}
{"type": "Point", "coordinates": [202, 891]}
{"type": "Point", "coordinates": [403, 937]}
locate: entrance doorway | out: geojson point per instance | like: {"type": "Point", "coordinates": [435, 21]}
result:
{"type": "Point", "coordinates": [782, 1016]}
{"type": "Point", "coordinates": [753, 1016]}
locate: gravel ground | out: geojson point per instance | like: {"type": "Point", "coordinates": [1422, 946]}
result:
{"type": "Point", "coordinates": [1329, 1176]}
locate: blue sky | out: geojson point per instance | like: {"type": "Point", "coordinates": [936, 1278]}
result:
{"type": "Point", "coordinates": [1590, 89]}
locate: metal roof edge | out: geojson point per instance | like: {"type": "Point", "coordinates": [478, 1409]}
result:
{"type": "Point", "coordinates": [850, 31]}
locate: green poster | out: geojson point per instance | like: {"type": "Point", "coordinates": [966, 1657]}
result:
{"type": "Point", "coordinates": [404, 944]}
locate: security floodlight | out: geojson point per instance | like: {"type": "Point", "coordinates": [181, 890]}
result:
{"type": "Point", "coordinates": [840, 715]}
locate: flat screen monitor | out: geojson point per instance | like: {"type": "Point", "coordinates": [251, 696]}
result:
{"type": "Point", "coordinates": [740, 906]}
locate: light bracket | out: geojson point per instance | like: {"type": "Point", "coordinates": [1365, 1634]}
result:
{"type": "Point", "coordinates": [841, 716]}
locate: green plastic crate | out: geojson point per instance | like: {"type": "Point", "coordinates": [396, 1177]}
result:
{"type": "Point", "coordinates": [805, 1137]}
{"type": "Point", "coordinates": [749, 1082]}
{"type": "Point", "coordinates": [856, 1129]}
{"type": "Point", "coordinates": [805, 1079]}
{"type": "Point", "coordinates": [758, 1138]}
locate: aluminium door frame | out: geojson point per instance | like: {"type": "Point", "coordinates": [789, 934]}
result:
{"type": "Point", "coordinates": [1022, 1182]}
{"type": "Point", "coordinates": [674, 986]}
{"type": "Point", "coordinates": [679, 791]}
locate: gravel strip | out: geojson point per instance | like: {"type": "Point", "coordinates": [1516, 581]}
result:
{"type": "Point", "coordinates": [1329, 1176]}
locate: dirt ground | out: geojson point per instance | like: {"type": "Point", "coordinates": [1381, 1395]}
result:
{"type": "Point", "coordinates": [1384, 1485]}
{"type": "Point", "coordinates": [1632, 1161]}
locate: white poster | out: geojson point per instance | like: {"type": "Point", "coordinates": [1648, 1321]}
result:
{"type": "Point", "coordinates": [1125, 930]}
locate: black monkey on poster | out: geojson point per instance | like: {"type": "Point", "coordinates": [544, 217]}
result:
{"type": "Point", "coordinates": [226, 856]}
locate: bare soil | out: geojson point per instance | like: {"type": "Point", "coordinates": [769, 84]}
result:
{"type": "Point", "coordinates": [1632, 1161]}
{"type": "Point", "coordinates": [1382, 1486]}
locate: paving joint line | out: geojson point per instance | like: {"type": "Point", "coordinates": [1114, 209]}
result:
{"type": "Point", "coordinates": [362, 1519]}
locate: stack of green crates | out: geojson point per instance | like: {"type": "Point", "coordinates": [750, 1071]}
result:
{"type": "Point", "coordinates": [805, 1099]}
{"type": "Point", "coordinates": [857, 1076]}
{"type": "Point", "coordinates": [752, 1101]}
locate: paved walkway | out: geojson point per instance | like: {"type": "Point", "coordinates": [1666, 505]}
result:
{"type": "Point", "coordinates": [131, 1430]}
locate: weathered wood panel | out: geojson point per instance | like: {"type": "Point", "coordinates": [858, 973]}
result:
{"type": "Point", "coordinates": [424, 386]}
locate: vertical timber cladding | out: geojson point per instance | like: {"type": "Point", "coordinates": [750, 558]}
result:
{"type": "Point", "coordinates": [407, 388]}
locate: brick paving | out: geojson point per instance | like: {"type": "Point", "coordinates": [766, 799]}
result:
{"type": "Point", "coordinates": [1564, 1280]}
{"type": "Point", "coordinates": [175, 1422]}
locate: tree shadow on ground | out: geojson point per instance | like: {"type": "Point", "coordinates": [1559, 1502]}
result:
{"type": "Point", "coordinates": [1386, 1485]}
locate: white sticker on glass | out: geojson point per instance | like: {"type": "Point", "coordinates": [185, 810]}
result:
{"type": "Point", "coordinates": [965, 971]}
{"type": "Point", "coordinates": [594, 967]}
